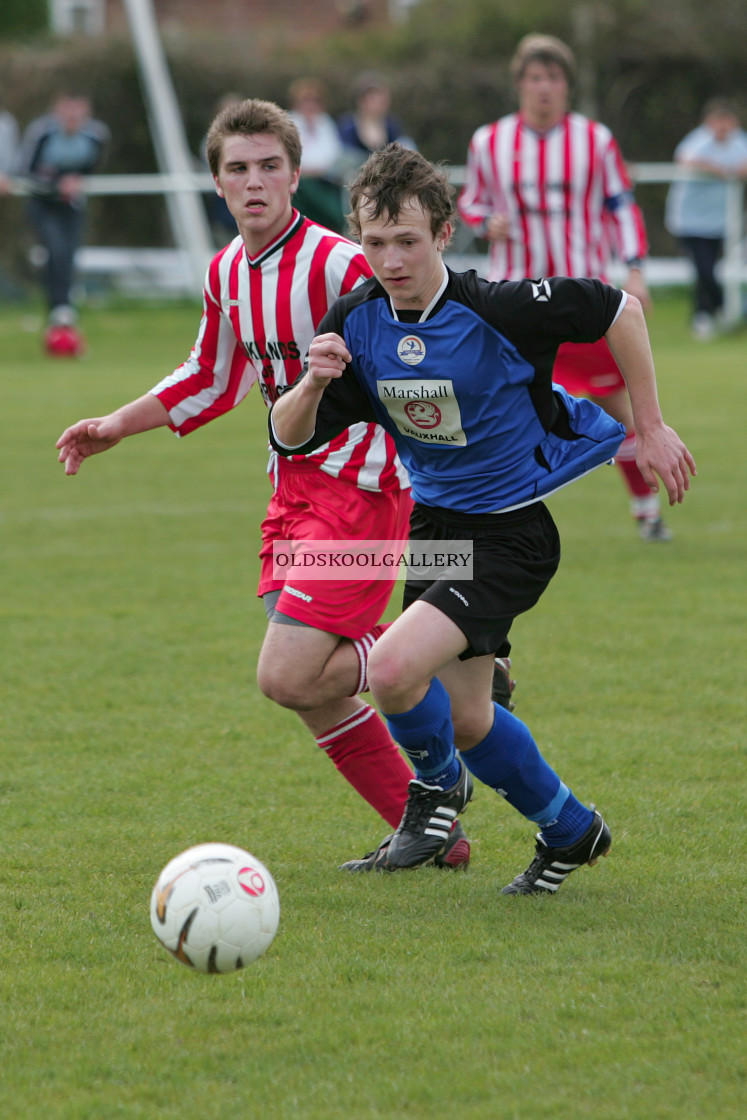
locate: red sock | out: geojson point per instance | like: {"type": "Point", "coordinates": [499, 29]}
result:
{"type": "Point", "coordinates": [366, 755]}
{"type": "Point", "coordinates": [625, 460]}
{"type": "Point", "coordinates": [363, 647]}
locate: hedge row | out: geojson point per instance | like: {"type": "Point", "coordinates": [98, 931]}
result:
{"type": "Point", "coordinates": [448, 75]}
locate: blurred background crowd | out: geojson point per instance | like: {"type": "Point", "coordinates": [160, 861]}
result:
{"type": "Point", "coordinates": [355, 74]}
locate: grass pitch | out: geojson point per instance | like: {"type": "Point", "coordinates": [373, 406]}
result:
{"type": "Point", "coordinates": [131, 727]}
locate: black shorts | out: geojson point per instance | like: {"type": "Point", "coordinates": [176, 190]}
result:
{"type": "Point", "coordinates": [515, 556]}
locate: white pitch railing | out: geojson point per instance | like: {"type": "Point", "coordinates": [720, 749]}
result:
{"type": "Point", "coordinates": [174, 274]}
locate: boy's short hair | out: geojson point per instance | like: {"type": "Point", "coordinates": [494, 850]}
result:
{"type": "Point", "coordinates": [391, 177]}
{"type": "Point", "coordinates": [248, 118]}
{"type": "Point", "coordinates": [307, 87]}
{"type": "Point", "coordinates": [545, 49]}
{"type": "Point", "coordinates": [368, 81]}
{"type": "Point", "coordinates": [720, 107]}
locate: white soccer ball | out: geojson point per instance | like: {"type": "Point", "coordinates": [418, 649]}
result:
{"type": "Point", "coordinates": [215, 908]}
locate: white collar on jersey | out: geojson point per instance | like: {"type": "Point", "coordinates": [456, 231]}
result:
{"type": "Point", "coordinates": [424, 314]}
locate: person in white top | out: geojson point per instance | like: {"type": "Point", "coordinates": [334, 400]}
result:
{"type": "Point", "coordinates": [319, 194]}
{"type": "Point", "coordinates": [9, 143]}
{"type": "Point", "coordinates": [696, 208]}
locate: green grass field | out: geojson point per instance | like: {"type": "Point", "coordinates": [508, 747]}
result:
{"type": "Point", "coordinates": [131, 727]}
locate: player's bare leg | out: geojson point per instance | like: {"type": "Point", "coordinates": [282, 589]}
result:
{"type": "Point", "coordinates": [303, 668]}
{"type": "Point", "coordinates": [314, 673]}
{"type": "Point", "coordinates": [644, 505]}
{"type": "Point", "coordinates": [411, 668]}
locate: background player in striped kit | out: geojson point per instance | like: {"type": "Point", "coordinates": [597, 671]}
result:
{"type": "Point", "coordinates": [265, 293]}
{"type": "Point", "coordinates": [549, 190]}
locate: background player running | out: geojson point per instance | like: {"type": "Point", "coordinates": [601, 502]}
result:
{"type": "Point", "coordinates": [549, 190]}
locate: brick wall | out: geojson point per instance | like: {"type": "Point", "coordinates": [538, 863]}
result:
{"type": "Point", "coordinates": [291, 19]}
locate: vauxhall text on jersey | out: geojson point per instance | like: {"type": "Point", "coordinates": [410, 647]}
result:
{"type": "Point", "coordinates": [477, 421]}
{"type": "Point", "coordinates": [259, 317]}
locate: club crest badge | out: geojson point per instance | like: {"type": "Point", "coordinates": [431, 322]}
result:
{"type": "Point", "coordinates": [411, 350]}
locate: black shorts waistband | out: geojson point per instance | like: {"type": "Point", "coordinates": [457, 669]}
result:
{"type": "Point", "coordinates": [454, 519]}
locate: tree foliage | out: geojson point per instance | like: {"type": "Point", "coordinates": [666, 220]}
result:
{"type": "Point", "coordinates": [21, 19]}
{"type": "Point", "coordinates": [644, 69]}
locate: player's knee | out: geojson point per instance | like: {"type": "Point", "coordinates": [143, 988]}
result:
{"type": "Point", "coordinates": [283, 688]}
{"type": "Point", "coordinates": [388, 677]}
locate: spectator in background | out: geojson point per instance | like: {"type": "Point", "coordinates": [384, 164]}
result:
{"type": "Point", "coordinates": [58, 150]}
{"type": "Point", "coordinates": [696, 208]}
{"type": "Point", "coordinates": [549, 190]}
{"type": "Point", "coordinates": [9, 137]}
{"type": "Point", "coordinates": [319, 194]}
{"type": "Point", "coordinates": [370, 125]}
{"type": "Point", "coordinates": [222, 222]}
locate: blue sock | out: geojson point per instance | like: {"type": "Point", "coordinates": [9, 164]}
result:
{"type": "Point", "coordinates": [573, 820]}
{"type": "Point", "coordinates": [509, 761]}
{"type": "Point", "coordinates": [426, 735]}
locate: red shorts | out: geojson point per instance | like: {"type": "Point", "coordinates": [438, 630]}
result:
{"type": "Point", "coordinates": [587, 369]}
{"type": "Point", "coordinates": [309, 505]}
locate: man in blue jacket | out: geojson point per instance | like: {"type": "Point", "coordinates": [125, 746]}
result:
{"type": "Point", "coordinates": [58, 150]}
{"type": "Point", "coordinates": [459, 371]}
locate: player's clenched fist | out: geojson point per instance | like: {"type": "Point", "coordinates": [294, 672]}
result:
{"type": "Point", "coordinates": [328, 356]}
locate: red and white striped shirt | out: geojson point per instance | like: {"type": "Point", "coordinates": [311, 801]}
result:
{"type": "Point", "coordinates": [566, 192]}
{"type": "Point", "coordinates": [259, 317]}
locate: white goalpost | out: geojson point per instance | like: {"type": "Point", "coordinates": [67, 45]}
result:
{"type": "Point", "coordinates": [189, 223]}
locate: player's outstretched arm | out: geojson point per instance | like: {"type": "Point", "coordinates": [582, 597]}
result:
{"type": "Point", "coordinates": [294, 414]}
{"type": "Point", "coordinates": [89, 437]}
{"type": "Point", "coordinates": [659, 450]}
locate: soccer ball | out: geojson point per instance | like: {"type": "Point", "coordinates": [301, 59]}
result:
{"type": "Point", "coordinates": [215, 908]}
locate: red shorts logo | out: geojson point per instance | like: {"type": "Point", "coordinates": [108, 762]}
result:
{"type": "Point", "coordinates": [251, 881]}
{"type": "Point", "coordinates": [423, 414]}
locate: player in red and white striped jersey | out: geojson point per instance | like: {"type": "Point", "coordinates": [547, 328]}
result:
{"type": "Point", "coordinates": [259, 315]}
{"type": "Point", "coordinates": [548, 188]}
{"type": "Point", "coordinates": [264, 295]}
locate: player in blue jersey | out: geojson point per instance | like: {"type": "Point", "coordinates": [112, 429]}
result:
{"type": "Point", "coordinates": [458, 370]}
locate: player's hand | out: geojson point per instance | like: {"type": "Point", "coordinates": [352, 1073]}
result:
{"type": "Point", "coordinates": [328, 356]}
{"type": "Point", "coordinates": [498, 228]}
{"type": "Point", "coordinates": [664, 454]}
{"type": "Point", "coordinates": [70, 187]}
{"type": "Point", "coordinates": [88, 437]}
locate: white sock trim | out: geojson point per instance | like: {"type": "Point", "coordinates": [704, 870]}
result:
{"type": "Point", "coordinates": [363, 647]}
{"type": "Point", "coordinates": [327, 740]}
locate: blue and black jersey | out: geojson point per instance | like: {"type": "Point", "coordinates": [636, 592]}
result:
{"type": "Point", "coordinates": [467, 394]}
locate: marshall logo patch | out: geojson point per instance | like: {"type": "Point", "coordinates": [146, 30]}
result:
{"type": "Point", "coordinates": [427, 411]}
